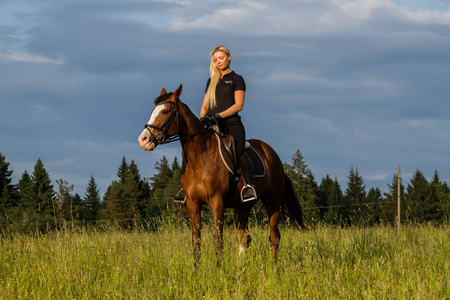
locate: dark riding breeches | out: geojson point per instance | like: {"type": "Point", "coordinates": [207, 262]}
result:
{"type": "Point", "coordinates": [234, 127]}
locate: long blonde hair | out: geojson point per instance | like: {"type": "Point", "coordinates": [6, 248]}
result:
{"type": "Point", "coordinates": [215, 76]}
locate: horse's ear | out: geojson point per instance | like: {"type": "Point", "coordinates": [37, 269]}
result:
{"type": "Point", "coordinates": [163, 92]}
{"type": "Point", "coordinates": [178, 91]}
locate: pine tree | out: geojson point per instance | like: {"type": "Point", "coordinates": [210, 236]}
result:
{"type": "Point", "coordinates": [114, 208]}
{"type": "Point", "coordinates": [324, 195]}
{"type": "Point", "coordinates": [77, 204]}
{"type": "Point", "coordinates": [123, 202]}
{"type": "Point", "coordinates": [150, 208]}
{"type": "Point", "coordinates": [26, 214]}
{"type": "Point", "coordinates": [172, 188]}
{"type": "Point", "coordinates": [132, 196]}
{"type": "Point", "coordinates": [25, 192]}
{"type": "Point", "coordinates": [355, 190]}
{"type": "Point", "coordinates": [142, 196]}
{"type": "Point", "coordinates": [134, 171]}
{"type": "Point", "coordinates": [91, 201]}
{"type": "Point", "coordinates": [375, 202]}
{"type": "Point", "coordinates": [161, 178]}
{"type": "Point", "coordinates": [442, 194]}
{"type": "Point", "coordinates": [356, 195]}
{"type": "Point", "coordinates": [175, 165]}
{"type": "Point", "coordinates": [43, 194]}
{"type": "Point", "coordinates": [174, 183]}
{"type": "Point", "coordinates": [5, 205]}
{"type": "Point", "coordinates": [123, 170]}
{"type": "Point", "coordinates": [422, 204]}
{"type": "Point", "coordinates": [5, 176]}
{"type": "Point", "coordinates": [65, 199]}
{"type": "Point", "coordinates": [7, 191]}
{"type": "Point", "coordinates": [304, 185]}
{"type": "Point", "coordinates": [338, 208]}
{"type": "Point", "coordinates": [445, 202]}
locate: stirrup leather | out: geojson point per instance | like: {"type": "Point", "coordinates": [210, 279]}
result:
{"type": "Point", "coordinates": [248, 186]}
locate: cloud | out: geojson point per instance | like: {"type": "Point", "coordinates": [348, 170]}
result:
{"type": "Point", "coordinates": [360, 83]}
{"type": "Point", "coordinates": [367, 9]}
{"type": "Point", "coordinates": [19, 56]}
{"type": "Point", "coordinates": [285, 17]}
{"type": "Point", "coordinates": [299, 18]}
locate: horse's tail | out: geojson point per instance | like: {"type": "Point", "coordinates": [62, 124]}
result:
{"type": "Point", "coordinates": [291, 204]}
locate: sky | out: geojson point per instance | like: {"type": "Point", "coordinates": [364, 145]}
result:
{"type": "Point", "coordinates": [360, 84]}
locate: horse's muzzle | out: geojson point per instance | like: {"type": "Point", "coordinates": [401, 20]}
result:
{"type": "Point", "coordinates": [146, 141]}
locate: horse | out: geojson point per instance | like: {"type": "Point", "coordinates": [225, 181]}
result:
{"type": "Point", "coordinates": [206, 180]}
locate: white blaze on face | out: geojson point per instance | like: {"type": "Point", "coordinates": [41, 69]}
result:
{"type": "Point", "coordinates": [144, 138]}
{"type": "Point", "coordinates": [155, 114]}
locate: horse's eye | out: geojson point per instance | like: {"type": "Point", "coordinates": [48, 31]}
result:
{"type": "Point", "coordinates": [165, 112]}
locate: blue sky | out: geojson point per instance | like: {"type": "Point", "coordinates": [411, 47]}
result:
{"type": "Point", "coordinates": [349, 83]}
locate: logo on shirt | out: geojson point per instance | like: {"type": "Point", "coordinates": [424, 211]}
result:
{"type": "Point", "coordinates": [228, 82]}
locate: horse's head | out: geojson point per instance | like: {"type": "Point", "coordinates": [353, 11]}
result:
{"type": "Point", "coordinates": [163, 122]}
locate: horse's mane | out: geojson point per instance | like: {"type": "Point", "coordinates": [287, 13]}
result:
{"type": "Point", "coordinates": [162, 98]}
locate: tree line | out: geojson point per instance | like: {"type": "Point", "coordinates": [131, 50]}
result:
{"type": "Point", "coordinates": [35, 204]}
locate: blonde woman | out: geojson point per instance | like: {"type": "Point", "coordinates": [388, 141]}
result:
{"type": "Point", "coordinates": [224, 99]}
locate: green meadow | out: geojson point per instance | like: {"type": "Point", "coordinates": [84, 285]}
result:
{"type": "Point", "coordinates": [325, 263]}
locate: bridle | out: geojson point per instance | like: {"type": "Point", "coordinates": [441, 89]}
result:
{"type": "Point", "coordinates": [165, 127]}
{"type": "Point", "coordinates": [164, 138]}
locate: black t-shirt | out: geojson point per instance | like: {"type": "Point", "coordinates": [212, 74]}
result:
{"type": "Point", "coordinates": [225, 89]}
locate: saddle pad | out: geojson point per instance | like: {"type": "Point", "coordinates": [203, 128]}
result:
{"type": "Point", "coordinates": [258, 165]}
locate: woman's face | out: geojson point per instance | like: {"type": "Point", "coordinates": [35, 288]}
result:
{"type": "Point", "coordinates": [221, 60]}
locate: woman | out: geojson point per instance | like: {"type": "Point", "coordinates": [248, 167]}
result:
{"type": "Point", "coordinates": [224, 98]}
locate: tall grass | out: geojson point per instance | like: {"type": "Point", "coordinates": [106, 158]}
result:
{"type": "Point", "coordinates": [349, 263]}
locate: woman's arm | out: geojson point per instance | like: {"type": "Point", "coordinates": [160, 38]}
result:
{"type": "Point", "coordinates": [238, 105]}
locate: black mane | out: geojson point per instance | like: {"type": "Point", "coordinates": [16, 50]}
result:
{"type": "Point", "coordinates": [162, 98]}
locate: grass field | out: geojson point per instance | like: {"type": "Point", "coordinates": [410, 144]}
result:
{"type": "Point", "coordinates": [330, 263]}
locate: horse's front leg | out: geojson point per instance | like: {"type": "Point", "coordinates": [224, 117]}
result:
{"type": "Point", "coordinates": [217, 208]}
{"type": "Point", "coordinates": [241, 223]}
{"type": "Point", "coordinates": [194, 211]}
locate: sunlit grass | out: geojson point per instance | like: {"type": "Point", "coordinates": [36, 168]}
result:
{"type": "Point", "coordinates": [350, 263]}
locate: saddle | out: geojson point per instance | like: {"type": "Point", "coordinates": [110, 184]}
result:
{"type": "Point", "coordinates": [227, 150]}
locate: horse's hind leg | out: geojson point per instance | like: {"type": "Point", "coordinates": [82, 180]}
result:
{"type": "Point", "coordinates": [274, 217]}
{"type": "Point", "coordinates": [241, 223]}
{"type": "Point", "coordinates": [272, 203]}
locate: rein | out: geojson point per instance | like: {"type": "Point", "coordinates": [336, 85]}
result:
{"type": "Point", "coordinates": [165, 128]}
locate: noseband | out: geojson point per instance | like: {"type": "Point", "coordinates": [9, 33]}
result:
{"type": "Point", "coordinates": [165, 127]}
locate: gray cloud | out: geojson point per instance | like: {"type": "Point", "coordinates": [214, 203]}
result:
{"type": "Point", "coordinates": [350, 83]}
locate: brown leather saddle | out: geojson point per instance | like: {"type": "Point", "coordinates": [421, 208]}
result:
{"type": "Point", "coordinates": [227, 149]}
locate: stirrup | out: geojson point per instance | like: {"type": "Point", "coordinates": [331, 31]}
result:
{"type": "Point", "coordinates": [178, 199]}
{"type": "Point", "coordinates": [248, 186]}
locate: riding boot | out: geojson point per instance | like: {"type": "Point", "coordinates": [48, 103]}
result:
{"type": "Point", "coordinates": [248, 172]}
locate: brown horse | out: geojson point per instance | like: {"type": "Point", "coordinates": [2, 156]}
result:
{"type": "Point", "coordinates": [206, 180]}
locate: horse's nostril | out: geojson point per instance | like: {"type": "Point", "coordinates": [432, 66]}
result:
{"type": "Point", "coordinates": [142, 139]}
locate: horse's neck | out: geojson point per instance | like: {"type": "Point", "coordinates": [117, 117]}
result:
{"type": "Point", "coordinates": [199, 145]}
{"type": "Point", "coordinates": [192, 125]}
